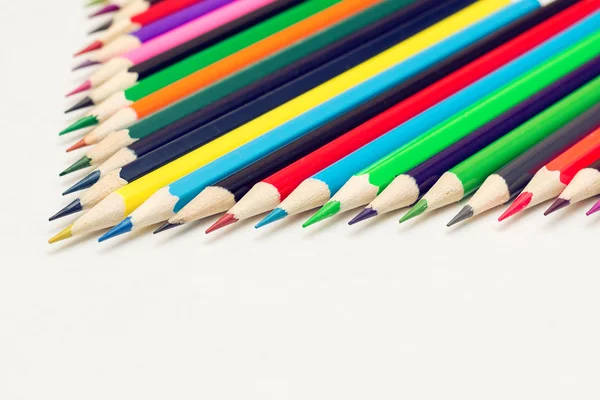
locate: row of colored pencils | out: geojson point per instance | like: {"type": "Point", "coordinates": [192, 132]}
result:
{"type": "Point", "coordinates": [195, 108]}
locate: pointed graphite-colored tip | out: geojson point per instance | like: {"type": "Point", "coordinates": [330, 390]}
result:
{"type": "Point", "coordinates": [415, 211]}
{"type": "Point", "coordinates": [71, 208]}
{"type": "Point", "coordinates": [95, 45]}
{"type": "Point", "coordinates": [520, 203]}
{"type": "Point", "coordinates": [557, 205]}
{"type": "Point", "coordinates": [77, 145]}
{"type": "Point", "coordinates": [464, 214]}
{"type": "Point", "coordinates": [88, 181]}
{"type": "Point", "coordinates": [105, 10]}
{"type": "Point", "coordinates": [62, 235]}
{"type": "Point", "coordinates": [225, 220]}
{"type": "Point", "coordinates": [81, 123]}
{"type": "Point", "coordinates": [123, 227]}
{"type": "Point", "coordinates": [365, 214]}
{"type": "Point", "coordinates": [85, 64]}
{"type": "Point", "coordinates": [327, 211]}
{"type": "Point", "coordinates": [594, 209]}
{"type": "Point", "coordinates": [87, 85]}
{"type": "Point", "coordinates": [165, 227]}
{"type": "Point", "coordinates": [83, 162]}
{"type": "Point", "coordinates": [84, 103]}
{"type": "Point", "coordinates": [275, 215]}
{"type": "Point", "coordinates": [101, 28]}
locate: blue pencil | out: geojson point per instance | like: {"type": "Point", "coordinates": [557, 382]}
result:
{"type": "Point", "coordinates": [318, 189]}
{"type": "Point", "coordinates": [184, 190]}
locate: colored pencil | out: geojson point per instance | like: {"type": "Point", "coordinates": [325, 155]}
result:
{"type": "Point", "coordinates": [466, 177]}
{"type": "Point", "coordinates": [261, 199]}
{"type": "Point", "coordinates": [173, 49]}
{"type": "Point", "coordinates": [302, 193]}
{"type": "Point", "coordinates": [131, 196]}
{"type": "Point", "coordinates": [332, 110]}
{"type": "Point", "coordinates": [218, 61]}
{"type": "Point", "coordinates": [231, 64]}
{"type": "Point", "coordinates": [165, 26]}
{"type": "Point", "coordinates": [363, 187]}
{"type": "Point", "coordinates": [231, 93]}
{"type": "Point", "coordinates": [242, 115]}
{"type": "Point", "coordinates": [112, 7]}
{"type": "Point", "coordinates": [595, 208]}
{"type": "Point", "coordinates": [584, 185]}
{"type": "Point", "coordinates": [554, 177]}
{"type": "Point", "coordinates": [253, 109]}
{"type": "Point", "coordinates": [407, 188]}
{"type": "Point", "coordinates": [159, 11]}
{"type": "Point", "coordinates": [113, 29]}
{"type": "Point", "coordinates": [118, 73]}
{"type": "Point", "coordinates": [131, 9]}
{"type": "Point", "coordinates": [504, 184]}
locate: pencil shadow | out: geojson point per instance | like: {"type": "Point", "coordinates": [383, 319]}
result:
{"type": "Point", "coordinates": [116, 243]}
{"type": "Point", "coordinates": [70, 243]}
{"type": "Point", "coordinates": [365, 227]}
{"type": "Point", "coordinates": [277, 227]}
{"type": "Point", "coordinates": [215, 236]}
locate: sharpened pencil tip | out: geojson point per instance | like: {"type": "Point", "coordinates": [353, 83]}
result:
{"type": "Point", "coordinates": [84, 122]}
{"type": "Point", "coordinates": [77, 145]}
{"type": "Point", "coordinates": [520, 203]}
{"type": "Point", "coordinates": [119, 229]}
{"type": "Point", "coordinates": [222, 222]}
{"type": "Point", "coordinates": [330, 209]}
{"type": "Point", "coordinates": [105, 10]}
{"type": "Point", "coordinates": [365, 214]}
{"type": "Point", "coordinates": [87, 85]}
{"type": "Point", "coordinates": [95, 45]}
{"type": "Point", "coordinates": [464, 214]}
{"type": "Point", "coordinates": [275, 215]}
{"type": "Point", "coordinates": [88, 181]}
{"type": "Point", "coordinates": [71, 208]}
{"type": "Point", "coordinates": [594, 209]}
{"type": "Point", "coordinates": [415, 211]}
{"type": "Point", "coordinates": [165, 227]}
{"type": "Point", "coordinates": [62, 235]}
{"type": "Point", "coordinates": [85, 64]}
{"type": "Point", "coordinates": [83, 162]}
{"type": "Point", "coordinates": [557, 205]}
{"type": "Point", "coordinates": [84, 103]}
{"type": "Point", "coordinates": [101, 28]}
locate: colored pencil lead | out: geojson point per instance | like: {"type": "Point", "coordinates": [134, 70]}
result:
{"type": "Point", "coordinates": [225, 220]}
{"type": "Point", "coordinates": [273, 216]}
{"type": "Point", "coordinates": [415, 211]}
{"type": "Point", "coordinates": [62, 235]}
{"type": "Point", "coordinates": [520, 203]}
{"type": "Point", "coordinates": [465, 213]}
{"type": "Point", "coordinates": [87, 85]}
{"type": "Point", "coordinates": [105, 10]}
{"type": "Point", "coordinates": [121, 228]}
{"type": "Point", "coordinates": [95, 45]}
{"type": "Point", "coordinates": [84, 122]}
{"type": "Point", "coordinates": [77, 145]}
{"type": "Point", "coordinates": [557, 205]}
{"type": "Point", "coordinates": [85, 64]}
{"type": "Point", "coordinates": [165, 227]}
{"type": "Point", "coordinates": [71, 208]}
{"type": "Point", "coordinates": [327, 211]}
{"type": "Point", "coordinates": [84, 103]}
{"type": "Point", "coordinates": [101, 28]}
{"type": "Point", "coordinates": [83, 162]}
{"type": "Point", "coordinates": [363, 215]}
{"type": "Point", "coordinates": [594, 209]}
{"type": "Point", "coordinates": [86, 182]}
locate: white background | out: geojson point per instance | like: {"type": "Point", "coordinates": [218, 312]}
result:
{"type": "Point", "coordinates": [376, 311]}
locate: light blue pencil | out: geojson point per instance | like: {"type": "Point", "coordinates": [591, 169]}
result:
{"type": "Point", "coordinates": [158, 208]}
{"type": "Point", "coordinates": [318, 189]}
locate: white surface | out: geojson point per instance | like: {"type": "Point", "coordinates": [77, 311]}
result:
{"type": "Point", "coordinates": [162, 317]}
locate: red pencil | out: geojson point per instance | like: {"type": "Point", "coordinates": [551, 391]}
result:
{"type": "Point", "coordinates": [260, 197]}
{"type": "Point", "coordinates": [554, 177]}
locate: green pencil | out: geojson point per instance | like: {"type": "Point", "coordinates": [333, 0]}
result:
{"type": "Point", "coordinates": [363, 187]}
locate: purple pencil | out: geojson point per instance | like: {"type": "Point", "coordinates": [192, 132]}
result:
{"type": "Point", "coordinates": [407, 188]}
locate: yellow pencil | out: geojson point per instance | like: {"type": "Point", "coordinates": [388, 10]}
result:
{"type": "Point", "coordinates": [120, 203]}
